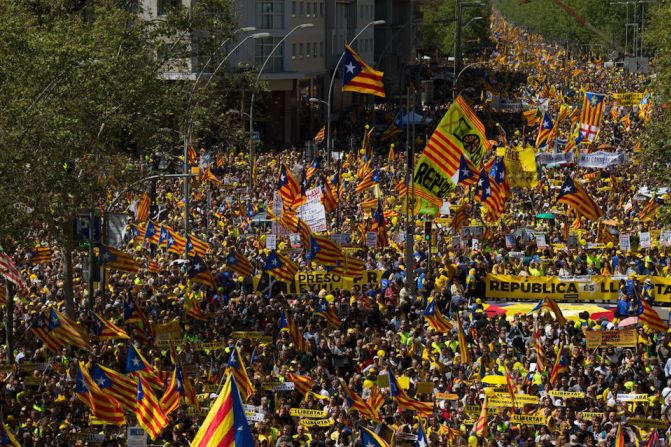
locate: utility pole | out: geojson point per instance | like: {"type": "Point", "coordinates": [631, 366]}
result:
{"type": "Point", "coordinates": [457, 44]}
{"type": "Point", "coordinates": [91, 260]}
{"type": "Point", "coordinates": [409, 205]}
{"type": "Point", "coordinates": [9, 322]}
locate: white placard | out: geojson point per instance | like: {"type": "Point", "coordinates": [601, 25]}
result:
{"type": "Point", "coordinates": [644, 239]}
{"type": "Point", "coordinates": [255, 417]}
{"type": "Point", "coordinates": [510, 241]}
{"type": "Point", "coordinates": [371, 239]}
{"type": "Point", "coordinates": [665, 238]}
{"type": "Point", "coordinates": [295, 240]}
{"type": "Point", "coordinates": [137, 437]}
{"type": "Point", "coordinates": [445, 208]}
{"type": "Point", "coordinates": [271, 241]}
{"type": "Point", "coordinates": [625, 242]}
{"type": "Point", "coordinates": [313, 195]}
{"type": "Point", "coordinates": [314, 216]}
{"type": "Point", "coordinates": [540, 240]}
{"type": "Point", "coordinates": [475, 244]}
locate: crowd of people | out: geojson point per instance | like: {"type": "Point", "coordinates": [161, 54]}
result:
{"type": "Point", "coordinates": [382, 328]}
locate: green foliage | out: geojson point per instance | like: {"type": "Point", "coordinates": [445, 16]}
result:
{"type": "Point", "coordinates": [81, 93]}
{"type": "Point", "coordinates": [438, 28]}
{"type": "Point", "coordinates": [555, 24]}
{"type": "Point", "coordinates": [657, 136]}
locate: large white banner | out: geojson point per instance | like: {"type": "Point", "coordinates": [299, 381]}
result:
{"type": "Point", "coordinates": [553, 158]}
{"type": "Point", "coordinates": [601, 159]}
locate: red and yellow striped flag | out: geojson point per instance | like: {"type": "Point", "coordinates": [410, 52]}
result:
{"type": "Point", "coordinates": [148, 411]}
{"type": "Point", "coordinates": [302, 383]}
{"type": "Point", "coordinates": [480, 426]}
{"type": "Point", "coordinates": [143, 206]}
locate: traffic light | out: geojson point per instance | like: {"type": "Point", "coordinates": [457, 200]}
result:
{"type": "Point", "coordinates": [427, 230]}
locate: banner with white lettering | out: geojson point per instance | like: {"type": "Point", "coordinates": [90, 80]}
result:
{"type": "Point", "coordinates": [602, 159]}
{"type": "Point", "coordinates": [550, 158]}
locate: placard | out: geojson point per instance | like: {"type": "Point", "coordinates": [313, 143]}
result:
{"type": "Point", "coordinates": [590, 415]}
{"type": "Point", "coordinates": [519, 398]}
{"type": "Point", "coordinates": [314, 216]}
{"type": "Point", "coordinates": [644, 239]}
{"type": "Point", "coordinates": [271, 241]}
{"type": "Point", "coordinates": [278, 386]}
{"type": "Point", "coordinates": [475, 244]}
{"type": "Point", "coordinates": [371, 239]}
{"type": "Point", "coordinates": [622, 338]}
{"type": "Point", "coordinates": [527, 419]}
{"type": "Point", "coordinates": [572, 241]}
{"type": "Point", "coordinates": [631, 397]}
{"type": "Point", "coordinates": [540, 241]}
{"type": "Point", "coordinates": [136, 437]}
{"type": "Point", "coordinates": [424, 388]}
{"type": "Point", "coordinates": [649, 423]}
{"type": "Point", "coordinates": [665, 238]}
{"type": "Point", "coordinates": [317, 422]}
{"type": "Point", "coordinates": [566, 394]}
{"type": "Point", "coordinates": [307, 413]}
{"type": "Point", "coordinates": [510, 241]}
{"type": "Point", "coordinates": [625, 242]}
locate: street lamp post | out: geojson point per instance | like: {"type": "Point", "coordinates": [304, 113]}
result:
{"type": "Point", "coordinates": [251, 104]}
{"type": "Point", "coordinates": [457, 36]}
{"type": "Point", "coordinates": [329, 140]}
{"type": "Point", "coordinates": [189, 118]}
{"type": "Point", "coordinates": [455, 81]}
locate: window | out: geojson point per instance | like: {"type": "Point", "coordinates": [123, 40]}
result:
{"type": "Point", "coordinates": [293, 8]}
{"type": "Point", "coordinates": [321, 49]}
{"type": "Point", "coordinates": [301, 10]}
{"type": "Point", "coordinates": [314, 9]}
{"type": "Point", "coordinates": [269, 14]}
{"type": "Point", "coordinates": [262, 48]}
{"type": "Point", "coordinates": [300, 51]}
{"type": "Point", "coordinates": [293, 50]}
{"type": "Point", "coordinates": [308, 8]}
{"type": "Point", "coordinates": [163, 6]}
{"type": "Point", "coordinates": [321, 9]}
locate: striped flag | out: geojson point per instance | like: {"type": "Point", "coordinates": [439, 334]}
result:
{"type": "Point", "coordinates": [192, 309]}
{"type": "Point", "coordinates": [191, 155]}
{"type": "Point", "coordinates": [200, 273]}
{"type": "Point", "coordinates": [651, 207]}
{"type": "Point", "coordinates": [239, 264]}
{"type": "Point", "coordinates": [460, 217]}
{"type": "Point", "coordinates": [312, 169]}
{"type": "Point", "coordinates": [359, 77]}
{"type": "Point", "coordinates": [101, 405]}
{"type": "Point", "coordinates": [62, 328]}
{"type": "Point", "coordinates": [329, 199]}
{"type": "Point", "coordinates": [41, 330]}
{"type": "Point", "coordinates": [480, 425]}
{"type": "Point", "coordinates": [319, 136]}
{"type": "Point", "coordinates": [152, 266]}
{"type": "Point", "coordinates": [7, 438]}
{"type": "Point", "coordinates": [533, 116]}
{"type": "Point", "coordinates": [106, 330]}
{"type": "Point", "coordinates": [435, 319]}
{"type": "Point", "coordinates": [510, 384]}
{"type": "Point", "coordinates": [148, 410]}
{"type": "Point", "coordinates": [590, 115]}
{"type": "Point", "coordinates": [208, 176]}
{"type": "Point", "coordinates": [236, 366]}
{"type": "Point", "coordinates": [226, 424]}
{"type": "Point", "coordinates": [328, 313]}
{"type": "Point", "coordinates": [371, 179]}
{"type": "Point", "coordinates": [10, 272]}
{"type": "Point", "coordinates": [651, 318]}
{"type": "Point", "coordinates": [179, 388]}
{"type": "Point", "coordinates": [545, 132]}
{"type": "Point", "coordinates": [619, 437]}
{"type": "Point", "coordinates": [324, 251]}
{"type": "Point", "coordinates": [151, 234]}
{"type": "Point", "coordinates": [370, 439]}
{"type": "Point", "coordinates": [574, 195]}
{"type": "Point", "coordinates": [41, 255]}
{"type": "Point", "coordinates": [115, 259]}
{"type": "Point", "coordinates": [463, 346]}
{"type": "Point", "coordinates": [196, 245]}
{"type": "Point", "coordinates": [540, 352]}
{"type": "Point", "coordinates": [380, 226]}
{"type": "Point", "coordinates": [391, 132]}
{"type": "Point", "coordinates": [355, 402]}
{"type": "Point", "coordinates": [143, 206]}
{"type": "Point", "coordinates": [280, 267]}
{"type": "Point", "coordinates": [136, 363]}
{"type": "Point", "coordinates": [653, 439]}
{"type": "Point", "coordinates": [405, 401]}
{"type": "Point", "coordinates": [171, 241]}
{"type": "Point", "coordinates": [375, 399]}
{"type": "Point", "coordinates": [288, 324]}
{"type": "Point", "coordinates": [490, 195]}
{"type": "Point", "coordinates": [289, 189]}
{"type": "Point", "coordinates": [302, 383]}
{"type": "Point", "coordinates": [119, 386]}
{"type": "Point", "coordinates": [560, 365]}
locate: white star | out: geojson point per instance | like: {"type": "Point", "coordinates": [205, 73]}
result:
{"type": "Point", "coordinates": [547, 123]}
{"type": "Point", "coordinates": [488, 191]}
{"type": "Point", "coordinates": [370, 444]}
{"type": "Point", "coordinates": [422, 442]}
{"type": "Point", "coordinates": [136, 361]}
{"type": "Point", "coordinates": [170, 240]}
{"type": "Point", "coordinates": [350, 67]}
{"type": "Point", "coordinates": [283, 178]}
{"type": "Point", "coordinates": [240, 428]}
{"type": "Point", "coordinates": [101, 381]}
{"type": "Point", "coordinates": [465, 172]}
{"type": "Point", "coordinates": [567, 188]}
{"type": "Point", "coordinates": [481, 182]}
{"type": "Point", "coordinates": [54, 320]}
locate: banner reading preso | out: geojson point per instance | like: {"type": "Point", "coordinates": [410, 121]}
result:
{"type": "Point", "coordinates": [316, 281]}
{"type": "Point", "coordinates": [584, 288]}
{"type": "Point", "coordinates": [623, 338]}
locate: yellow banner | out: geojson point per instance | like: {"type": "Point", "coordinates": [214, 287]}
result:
{"type": "Point", "coordinates": [252, 335]}
{"type": "Point", "coordinates": [307, 413]}
{"type": "Point", "coordinates": [475, 409]}
{"type": "Point", "coordinates": [317, 422]}
{"type": "Point", "coordinates": [584, 288]}
{"type": "Point", "coordinates": [567, 394]}
{"type": "Point", "coordinates": [628, 98]}
{"type": "Point", "coordinates": [527, 419]}
{"type": "Point", "coordinates": [315, 281]}
{"type": "Point", "coordinates": [648, 423]}
{"type": "Point", "coordinates": [519, 398]}
{"type": "Point", "coordinates": [590, 415]}
{"type": "Point", "coordinates": [631, 397]}
{"type": "Point", "coordinates": [520, 166]}
{"type": "Point", "coordinates": [167, 331]}
{"type": "Point", "coordinates": [621, 338]}
{"type": "Point", "coordinates": [446, 396]}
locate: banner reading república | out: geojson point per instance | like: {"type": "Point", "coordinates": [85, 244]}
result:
{"type": "Point", "coordinates": [585, 288]}
{"type": "Point", "coordinates": [459, 134]}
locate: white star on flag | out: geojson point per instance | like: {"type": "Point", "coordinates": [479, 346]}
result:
{"type": "Point", "coordinates": [350, 68]}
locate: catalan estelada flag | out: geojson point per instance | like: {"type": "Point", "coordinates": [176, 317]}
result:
{"type": "Point", "coordinates": [148, 410]}
{"type": "Point", "coordinates": [328, 313]}
{"type": "Point", "coordinates": [371, 179]}
{"type": "Point", "coordinates": [196, 245]}
{"type": "Point", "coordinates": [370, 439]}
{"type": "Point", "coordinates": [192, 309]}
{"type": "Point", "coordinates": [106, 330]}
{"type": "Point", "coordinates": [7, 438]}
{"type": "Point", "coordinates": [171, 241]}
{"type": "Point", "coordinates": [573, 194]}
{"type": "Point", "coordinates": [287, 323]}
{"type": "Point", "coordinates": [136, 363]}
{"type": "Point", "coordinates": [355, 402]}
{"type": "Point", "coordinates": [41, 255]}
{"type": "Point", "coordinates": [375, 399]}
{"type": "Point", "coordinates": [236, 367]}
{"type": "Point", "coordinates": [226, 424]}
{"type": "Point", "coordinates": [319, 137]}
{"type": "Point", "coordinates": [464, 353]}
{"type": "Point", "coordinates": [650, 317]}
{"type": "Point", "coordinates": [329, 199]}
{"type": "Point", "coordinates": [101, 405]}
{"type": "Point", "coordinates": [115, 259]}
{"type": "Point", "coordinates": [435, 319]}
{"type": "Point", "coordinates": [560, 365]}
{"type": "Point", "coordinates": [359, 77]}
{"type": "Point", "coordinates": [239, 264]}
{"type": "Point", "coordinates": [62, 328]}
{"type": "Point", "coordinates": [380, 226]}
{"type": "Point", "coordinates": [289, 189]}
{"type": "Point", "coordinates": [119, 386]}
{"type": "Point", "coordinates": [179, 388]}
{"type": "Point", "coordinates": [151, 234]}
{"type": "Point", "coordinates": [510, 385]}
{"type": "Point", "coordinates": [302, 383]}
{"type": "Point", "coordinates": [200, 273]}
{"type": "Point", "coordinates": [405, 401]}
{"type": "Point", "coordinates": [590, 114]}
{"type": "Point", "coordinates": [619, 437]}
{"type": "Point", "coordinates": [313, 168]}
{"type": "Point", "coordinates": [545, 132]}
{"type": "Point", "coordinates": [143, 206]}
{"type": "Point", "coordinates": [324, 251]}
{"type": "Point", "coordinates": [40, 328]}
{"type": "Point", "coordinates": [490, 195]}
{"type": "Point", "coordinates": [280, 267]}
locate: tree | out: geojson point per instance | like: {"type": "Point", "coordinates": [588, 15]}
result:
{"type": "Point", "coordinates": [81, 93]}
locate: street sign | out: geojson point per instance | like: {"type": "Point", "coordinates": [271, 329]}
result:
{"type": "Point", "coordinates": [256, 137]}
{"type": "Point", "coordinates": [81, 228]}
